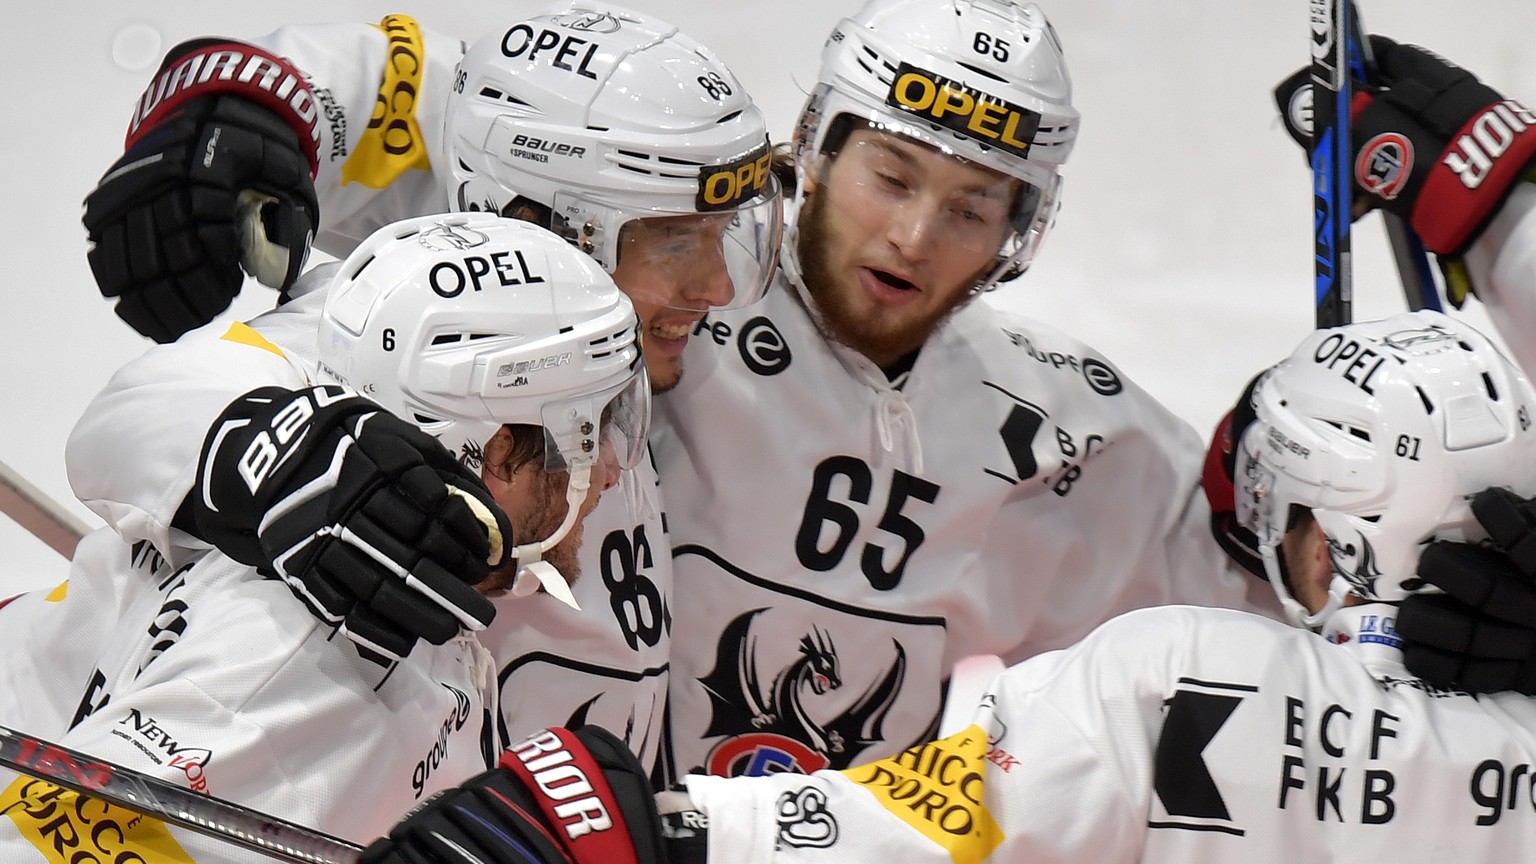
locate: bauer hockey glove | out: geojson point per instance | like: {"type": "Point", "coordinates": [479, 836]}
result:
{"type": "Point", "coordinates": [1431, 143]}
{"type": "Point", "coordinates": [359, 512]}
{"type": "Point", "coordinates": [1480, 635]}
{"type": "Point", "coordinates": [559, 797]}
{"type": "Point", "coordinates": [218, 173]}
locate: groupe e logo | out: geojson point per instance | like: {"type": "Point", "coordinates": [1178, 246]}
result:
{"type": "Point", "coordinates": [762, 347]}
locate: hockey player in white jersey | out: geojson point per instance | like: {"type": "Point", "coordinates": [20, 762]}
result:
{"type": "Point", "coordinates": [976, 482]}
{"type": "Point", "coordinates": [206, 674]}
{"type": "Point", "coordinates": [608, 126]}
{"type": "Point", "coordinates": [1184, 734]}
{"type": "Point", "coordinates": [826, 629]}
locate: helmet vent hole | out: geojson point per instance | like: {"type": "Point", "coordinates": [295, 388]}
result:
{"type": "Point", "coordinates": [496, 95]}
{"type": "Point", "coordinates": [1429, 407]}
{"type": "Point", "coordinates": [1493, 392]}
{"type": "Point", "coordinates": [363, 266]}
{"type": "Point", "coordinates": [729, 117]}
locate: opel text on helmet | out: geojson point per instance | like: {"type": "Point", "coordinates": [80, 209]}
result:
{"type": "Point", "coordinates": [980, 80]}
{"type": "Point", "coordinates": [464, 322]}
{"type": "Point", "coordinates": [608, 121]}
{"type": "Point", "coordinates": [1384, 430]}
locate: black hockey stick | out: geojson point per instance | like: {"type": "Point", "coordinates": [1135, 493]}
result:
{"type": "Point", "coordinates": [1412, 261]}
{"type": "Point", "coordinates": [156, 798]}
{"type": "Point", "coordinates": [1331, 163]}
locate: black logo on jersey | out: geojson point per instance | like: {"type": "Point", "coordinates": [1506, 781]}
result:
{"type": "Point", "coordinates": [1100, 377]}
{"type": "Point", "coordinates": [1357, 566]}
{"type": "Point", "coordinates": [804, 821]}
{"type": "Point", "coordinates": [762, 347]}
{"type": "Point", "coordinates": [1181, 778]}
{"type": "Point", "coordinates": [770, 730]}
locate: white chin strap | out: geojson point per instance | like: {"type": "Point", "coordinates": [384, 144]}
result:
{"type": "Point", "coordinates": [1293, 609]}
{"type": "Point", "coordinates": [533, 571]}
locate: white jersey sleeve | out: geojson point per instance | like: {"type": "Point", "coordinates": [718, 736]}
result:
{"type": "Point", "coordinates": [382, 89]}
{"type": "Point", "coordinates": [132, 455]}
{"type": "Point", "coordinates": [1502, 264]}
{"type": "Point", "coordinates": [210, 677]}
{"type": "Point", "coordinates": [1172, 735]}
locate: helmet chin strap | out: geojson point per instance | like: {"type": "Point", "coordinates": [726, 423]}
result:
{"type": "Point", "coordinates": [1293, 608]}
{"type": "Point", "coordinates": [533, 571]}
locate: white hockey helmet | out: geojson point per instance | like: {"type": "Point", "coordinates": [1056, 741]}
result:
{"type": "Point", "coordinates": [981, 80]}
{"type": "Point", "coordinates": [606, 115]}
{"type": "Point", "coordinates": [463, 322]}
{"type": "Point", "coordinates": [1384, 430]}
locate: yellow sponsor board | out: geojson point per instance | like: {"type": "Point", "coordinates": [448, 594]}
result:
{"type": "Point", "coordinates": [392, 142]}
{"type": "Point", "coordinates": [937, 789]}
{"type": "Point", "coordinates": [69, 828]}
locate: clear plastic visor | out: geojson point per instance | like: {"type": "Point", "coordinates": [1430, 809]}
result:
{"type": "Point", "coordinates": [587, 429]}
{"type": "Point", "coordinates": [924, 192]}
{"type": "Point", "coordinates": [697, 260]}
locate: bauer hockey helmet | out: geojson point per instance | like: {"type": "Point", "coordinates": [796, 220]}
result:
{"type": "Point", "coordinates": [980, 80]}
{"type": "Point", "coordinates": [606, 116]}
{"type": "Point", "coordinates": [463, 322]}
{"type": "Point", "coordinates": [1385, 430]}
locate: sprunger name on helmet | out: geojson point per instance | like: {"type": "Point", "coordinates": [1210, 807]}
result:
{"type": "Point", "coordinates": [964, 110]}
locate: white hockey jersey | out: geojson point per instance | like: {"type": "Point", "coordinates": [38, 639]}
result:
{"type": "Point", "coordinates": [210, 677]}
{"type": "Point", "coordinates": [839, 542]}
{"type": "Point", "coordinates": [1174, 735]}
{"type": "Point", "coordinates": [604, 664]}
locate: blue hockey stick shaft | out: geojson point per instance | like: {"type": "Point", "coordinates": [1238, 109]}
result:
{"type": "Point", "coordinates": [1330, 158]}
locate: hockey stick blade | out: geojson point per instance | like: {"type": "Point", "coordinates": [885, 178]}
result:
{"type": "Point", "coordinates": [43, 517]}
{"type": "Point", "coordinates": [158, 799]}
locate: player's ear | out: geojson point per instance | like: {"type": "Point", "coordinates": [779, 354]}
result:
{"type": "Point", "coordinates": [494, 471]}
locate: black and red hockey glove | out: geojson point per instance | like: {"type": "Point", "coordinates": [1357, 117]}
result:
{"type": "Point", "coordinates": [217, 174]}
{"type": "Point", "coordinates": [558, 797]}
{"type": "Point", "coordinates": [1431, 143]}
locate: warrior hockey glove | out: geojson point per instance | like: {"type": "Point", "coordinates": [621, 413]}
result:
{"type": "Point", "coordinates": [559, 797]}
{"type": "Point", "coordinates": [218, 174]}
{"type": "Point", "coordinates": [1216, 479]}
{"type": "Point", "coordinates": [1480, 635]}
{"type": "Point", "coordinates": [1431, 143]}
{"type": "Point", "coordinates": [353, 508]}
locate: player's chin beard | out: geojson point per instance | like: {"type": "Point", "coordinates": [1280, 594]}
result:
{"type": "Point", "coordinates": [839, 320]}
{"type": "Point", "coordinates": [545, 513]}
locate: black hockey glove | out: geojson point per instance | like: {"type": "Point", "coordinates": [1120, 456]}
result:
{"type": "Point", "coordinates": [1216, 479]}
{"type": "Point", "coordinates": [559, 797]}
{"type": "Point", "coordinates": [217, 173]}
{"type": "Point", "coordinates": [1431, 143]}
{"type": "Point", "coordinates": [1480, 635]}
{"type": "Point", "coordinates": [353, 508]}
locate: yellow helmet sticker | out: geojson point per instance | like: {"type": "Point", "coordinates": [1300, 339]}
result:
{"type": "Point", "coordinates": [67, 827]}
{"type": "Point", "coordinates": [937, 789]}
{"type": "Point", "coordinates": [392, 142]}
{"type": "Point", "coordinates": [964, 110]}
{"type": "Point", "coordinates": [726, 187]}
